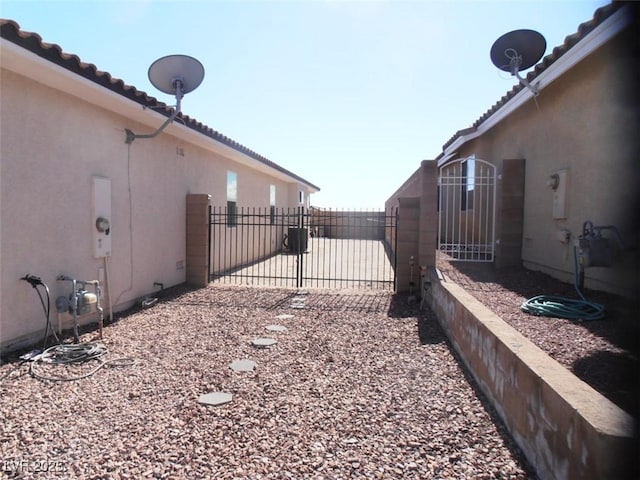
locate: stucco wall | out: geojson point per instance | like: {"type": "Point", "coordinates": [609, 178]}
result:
{"type": "Point", "coordinates": [52, 144]}
{"type": "Point", "coordinates": [584, 123]}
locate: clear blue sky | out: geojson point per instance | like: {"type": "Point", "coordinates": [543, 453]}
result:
{"type": "Point", "coordinates": [350, 95]}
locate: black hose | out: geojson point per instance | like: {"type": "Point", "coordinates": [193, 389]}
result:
{"type": "Point", "coordinates": [35, 282]}
{"type": "Point", "coordinates": [65, 354]}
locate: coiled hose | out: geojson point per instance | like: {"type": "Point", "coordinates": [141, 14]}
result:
{"type": "Point", "coordinates": [65, 354]}
{"type": "Point", "coordinates": [561, 307]}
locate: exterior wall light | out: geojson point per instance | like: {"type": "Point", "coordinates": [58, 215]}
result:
{"type": "Point", "coordinates": [554, 181]}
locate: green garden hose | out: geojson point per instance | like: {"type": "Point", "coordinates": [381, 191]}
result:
{"type": "Point", "coordinates": [561, 307]}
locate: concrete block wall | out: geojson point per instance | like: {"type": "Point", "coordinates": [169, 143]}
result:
{"type": "Point", "coordinates": [566, 429]}
{"type": "Point", "coordinates": [197, 255]}
{"type": "Point", "coordinates": [348, 224]}
{"type": "Point", "coordinates": [509, 221]}
{"type": "Point", "coordinates": [428, 233]}
{"type": "Point", "coordinates": [417, 227]}
{"type": "Point", "coordinates": [407, 243]}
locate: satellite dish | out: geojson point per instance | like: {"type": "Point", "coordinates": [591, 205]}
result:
{"type": "Point", "coordinates": [518, 50]}
{"type": "Point", "coordinates": [166, 72]}
{"type": "Point", "coordinates": [175, 75]}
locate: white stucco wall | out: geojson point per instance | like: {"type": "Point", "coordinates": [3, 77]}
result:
{"type": "Point", "coordinates": [51, 145]}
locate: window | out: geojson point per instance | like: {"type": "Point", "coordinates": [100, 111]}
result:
{"type": "Point", "coordinates": [468, 183]}
{"type": "Point", "coordinates": [232, 199]}
{"type": "Point", "coordinates": [301, 197]}
{"type": "Point", "coordinates": [272, 204]}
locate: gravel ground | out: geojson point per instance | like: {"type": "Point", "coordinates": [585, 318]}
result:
{"type": "Point", "coordinates": [360, 385]}
{"type": "Point", "coordinates": [603, 353]}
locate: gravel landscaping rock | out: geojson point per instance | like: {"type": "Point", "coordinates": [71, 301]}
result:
{"type": "Point", "coordinates": [363, 385]}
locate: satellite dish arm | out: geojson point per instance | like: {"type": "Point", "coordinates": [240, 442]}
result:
{"type": "Point", "coordinates": [533, 88]}
{"type": "Point", "coordinates": [130, 136]}
{"type": "Point", "coordinates": [515, 62]}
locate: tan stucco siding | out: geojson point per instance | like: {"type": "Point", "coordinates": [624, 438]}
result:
{"type": "Point", "coordinates": [584, 123]}
{"type": "Point", "coordinates": [52, 144]}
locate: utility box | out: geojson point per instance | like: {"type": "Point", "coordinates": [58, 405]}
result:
{"type": "Point", "coordinates": [297, 239]}
{"type": "Point", "coordinates": [594, 251]}
{"type": "Point", "coordinates": [101, 217]}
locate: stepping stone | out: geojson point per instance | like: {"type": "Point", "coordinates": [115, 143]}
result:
{"type": "Point", "coordinates": [243, 365]}
{"type": "Point", "coordinates": [284, 316]}
{"type": "Point", "coordinates": [298, 303]}
{"type": "Point", "coordinates": [264, 342]}
{"type": "Point", "coordinates": [215, 398]}
{"type": "Point", "coordinates": [276, 328]}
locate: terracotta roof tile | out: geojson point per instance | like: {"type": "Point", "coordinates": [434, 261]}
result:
{"type": "Point", "coordinates": [10, 30]}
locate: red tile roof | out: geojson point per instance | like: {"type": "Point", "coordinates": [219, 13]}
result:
{"type": "Point", "coordinates": [10, 30]}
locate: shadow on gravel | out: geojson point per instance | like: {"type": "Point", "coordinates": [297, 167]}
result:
{"type": "Point", "coordinates": [402, 306]}
{"type": "Point", "coordinates": [239, 296]}
{"type": "Point", "coordinates": [606, 372]}
{"type": "Point", "coordinates": [429, 331]}
{"type": "Point", "coordinates": [495, 418]}
{"type": "Point", "coordinates": [292, 300]}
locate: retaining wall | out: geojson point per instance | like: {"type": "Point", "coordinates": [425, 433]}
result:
{"type": "Point", "coordinates": [566, 429]}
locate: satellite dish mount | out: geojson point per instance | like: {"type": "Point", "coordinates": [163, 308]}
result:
{"type": "Point", "coordinates": [518, 50]}
{"type": "Point", "coordinates": [175, 75]}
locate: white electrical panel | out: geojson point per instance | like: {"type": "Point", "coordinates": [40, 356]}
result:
{"type": "Point", "coordinates": [101, 217]}
{"type": "Point", "coordinates": [560, 196]}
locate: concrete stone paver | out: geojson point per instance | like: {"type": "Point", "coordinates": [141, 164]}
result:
{"type": "Point", "coordinates": [215, 398]}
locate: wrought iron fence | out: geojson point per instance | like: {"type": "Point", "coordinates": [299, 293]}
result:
{"type": "Point", "coordinates": [300, 247]}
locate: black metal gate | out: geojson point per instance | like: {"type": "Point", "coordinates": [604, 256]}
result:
{"type": "Point", "coordinates": [300, 247]}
